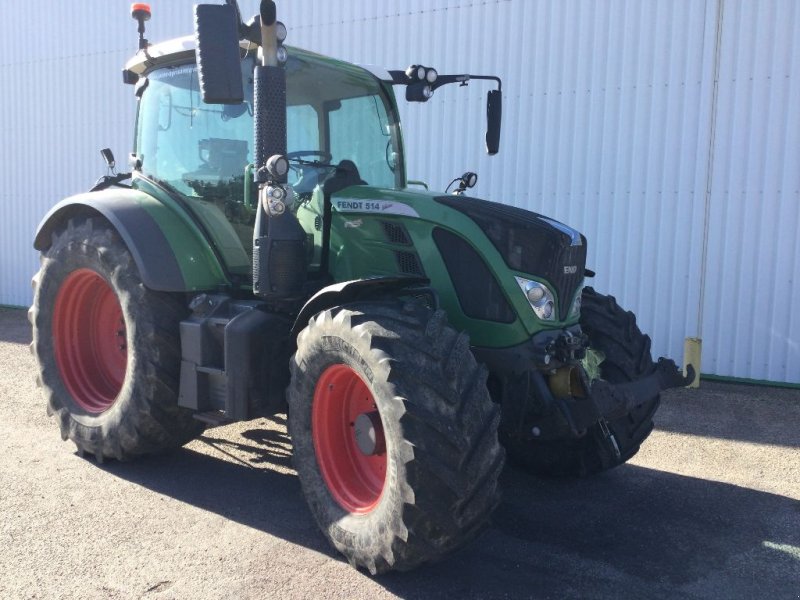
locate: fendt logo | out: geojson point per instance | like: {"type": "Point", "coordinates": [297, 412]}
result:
{"type": "Point", "coordinates": [570, 269]}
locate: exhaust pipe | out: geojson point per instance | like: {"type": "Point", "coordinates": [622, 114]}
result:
{"type": "Point", "coordinates": [279, 241]}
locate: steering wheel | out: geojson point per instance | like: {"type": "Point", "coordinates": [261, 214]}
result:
{"type": "Point", "coordinates": [324, 157]}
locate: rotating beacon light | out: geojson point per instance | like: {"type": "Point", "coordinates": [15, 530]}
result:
{"type": "Point", "coordinates": [141, 13]}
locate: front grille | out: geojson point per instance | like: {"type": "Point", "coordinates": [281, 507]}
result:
{"type": "Point", "coordinates": [529, 244]}
{"type": "Point", "coordinates": [479, 294]}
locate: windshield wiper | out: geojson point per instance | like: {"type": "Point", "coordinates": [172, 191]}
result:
{"type": "Point", "coordinates": [313, 163]}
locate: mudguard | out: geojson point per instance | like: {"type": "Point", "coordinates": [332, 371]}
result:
{"type": "Point", "coordinates": [170, 252]}
{"type": "Point", "coordinates": [353, 291]}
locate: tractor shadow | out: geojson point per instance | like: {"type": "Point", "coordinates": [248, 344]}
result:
{"type": "Point", "coordinates": [633, 532]}
{"type": "Point", "coordinates": [245, 477]}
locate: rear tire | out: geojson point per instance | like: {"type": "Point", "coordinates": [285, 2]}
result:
{"type": "Point", "coordinates": [614, 332]}
{"type": "Point", "coordinates": [108, 348]}
{"type": "Point", "coordinates": [430, 482]}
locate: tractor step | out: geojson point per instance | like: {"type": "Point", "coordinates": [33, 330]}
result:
{"type": "Point", "coordinates": [213, 418]}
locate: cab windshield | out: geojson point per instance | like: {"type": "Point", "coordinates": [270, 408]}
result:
{"type": "Point", "coordinates": [335, 112]}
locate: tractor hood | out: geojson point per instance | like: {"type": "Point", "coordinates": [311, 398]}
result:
{"type": "Point", "coordinates": [507, 238]}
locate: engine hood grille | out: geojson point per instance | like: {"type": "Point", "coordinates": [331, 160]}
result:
{"type": "Point", "coordinates": [530, 243]}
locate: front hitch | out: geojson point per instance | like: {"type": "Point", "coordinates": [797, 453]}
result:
{"type": "Point", "coordinates": [579, 404]}
{"type": "Point", "coordinates": [614, 400]}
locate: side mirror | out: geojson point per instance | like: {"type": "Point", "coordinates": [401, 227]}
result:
{"type": "Point", "coordinates": [494, 116]}
{"type": "Point", "coordinates": [218, 69]}
{"type": "Point", "coordinates": [108, 157]}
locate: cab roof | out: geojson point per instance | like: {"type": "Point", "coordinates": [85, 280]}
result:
{"type": "Point", "coordinates": [182, 50]}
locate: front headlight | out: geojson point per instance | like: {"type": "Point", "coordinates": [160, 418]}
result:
{"type": "Point", "coordinates": [575, 309]}
{"type": "Point", "coordinates": [539, 297]}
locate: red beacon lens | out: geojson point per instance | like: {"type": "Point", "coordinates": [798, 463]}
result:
{"type": "Point", "coordinates": [140, 10]}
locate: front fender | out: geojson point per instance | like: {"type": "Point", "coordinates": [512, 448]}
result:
{"type": "Point", "coordinates": [170, 253]}
{"type": "Point", "coordinates": [352, 291]}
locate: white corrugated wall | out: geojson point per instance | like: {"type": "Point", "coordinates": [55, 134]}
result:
{"type": "Point", "coordinates": [751, 326]}
{"type": "Point", "coordinates": [613, 123]}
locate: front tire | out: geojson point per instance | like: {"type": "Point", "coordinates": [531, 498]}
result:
{"type": "Point", "coordinates": [394, 434]}
{"type": "Point", "coordinates": [108, 348]}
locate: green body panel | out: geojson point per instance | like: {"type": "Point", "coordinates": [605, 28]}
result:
{"type": "Point", "coordinates": [359, 248]}
{"type": "Point", "coordinates": [200, 268]}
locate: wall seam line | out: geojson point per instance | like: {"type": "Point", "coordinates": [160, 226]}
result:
{"type": "Point", "coordinates": [710, 167]}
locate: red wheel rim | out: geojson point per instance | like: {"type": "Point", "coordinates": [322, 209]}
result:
{"type": "Point", "coordinates": [355, 479]}
{"type": "Point", "coordinates": [90, 340]}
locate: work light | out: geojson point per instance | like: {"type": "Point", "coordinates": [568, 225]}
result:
{"type": "Point", "coordinates": [280, 32]}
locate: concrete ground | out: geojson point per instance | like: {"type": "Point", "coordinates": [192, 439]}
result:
{"type": "Point", "coordinates": [710, 508]}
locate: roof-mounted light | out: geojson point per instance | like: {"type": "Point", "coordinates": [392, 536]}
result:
{"type": "Point", "coordinates": [419, 92]}
{"type": "Point", "coordinates": [141, 12]}
{"type": "Point", "coordinates": [416, 72]}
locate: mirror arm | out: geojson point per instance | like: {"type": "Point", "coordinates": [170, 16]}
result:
{"type": "Point", "coordinates": [464, 79]}
{"type": "Point", "coordinates": [400, 78]}
{"type": "Point", "coordinates": [489, 78]}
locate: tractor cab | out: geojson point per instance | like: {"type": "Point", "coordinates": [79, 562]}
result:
{"type": "Point", "coordinates": [335, 112]}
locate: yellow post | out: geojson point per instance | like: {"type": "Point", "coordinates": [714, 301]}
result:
{"type": "Point", "coordinates": [692, 348]}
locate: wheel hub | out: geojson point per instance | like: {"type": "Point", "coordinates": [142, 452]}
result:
{"type": "Point", "coordinates": [368, 431]}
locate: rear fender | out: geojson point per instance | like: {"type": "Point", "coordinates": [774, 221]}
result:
{"type": "Point", "coordinates": [170, 253]}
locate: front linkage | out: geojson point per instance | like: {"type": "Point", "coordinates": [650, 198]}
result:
{"type": "Point", "coordinates": [585, 395]}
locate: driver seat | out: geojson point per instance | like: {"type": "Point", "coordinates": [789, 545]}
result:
{"type": "Point", "coordinates": [346, 174]}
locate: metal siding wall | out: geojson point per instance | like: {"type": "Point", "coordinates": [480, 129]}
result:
{"type": "Point", "coordinates": [608, 113]}
{"type": "Point", "coordinates": [751, 328]}
{"type": "Point", "coordinates": [63, 100]}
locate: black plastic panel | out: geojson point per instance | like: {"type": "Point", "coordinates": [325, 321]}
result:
{"type": "Point", "coordinates": [479, 293]}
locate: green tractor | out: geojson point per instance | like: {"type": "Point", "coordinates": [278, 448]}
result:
{"type": "Point", "coordinates": [267, 256]}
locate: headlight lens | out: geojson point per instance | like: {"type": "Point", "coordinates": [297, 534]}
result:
{"type": "Point", "coordinates": [539, 297]}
